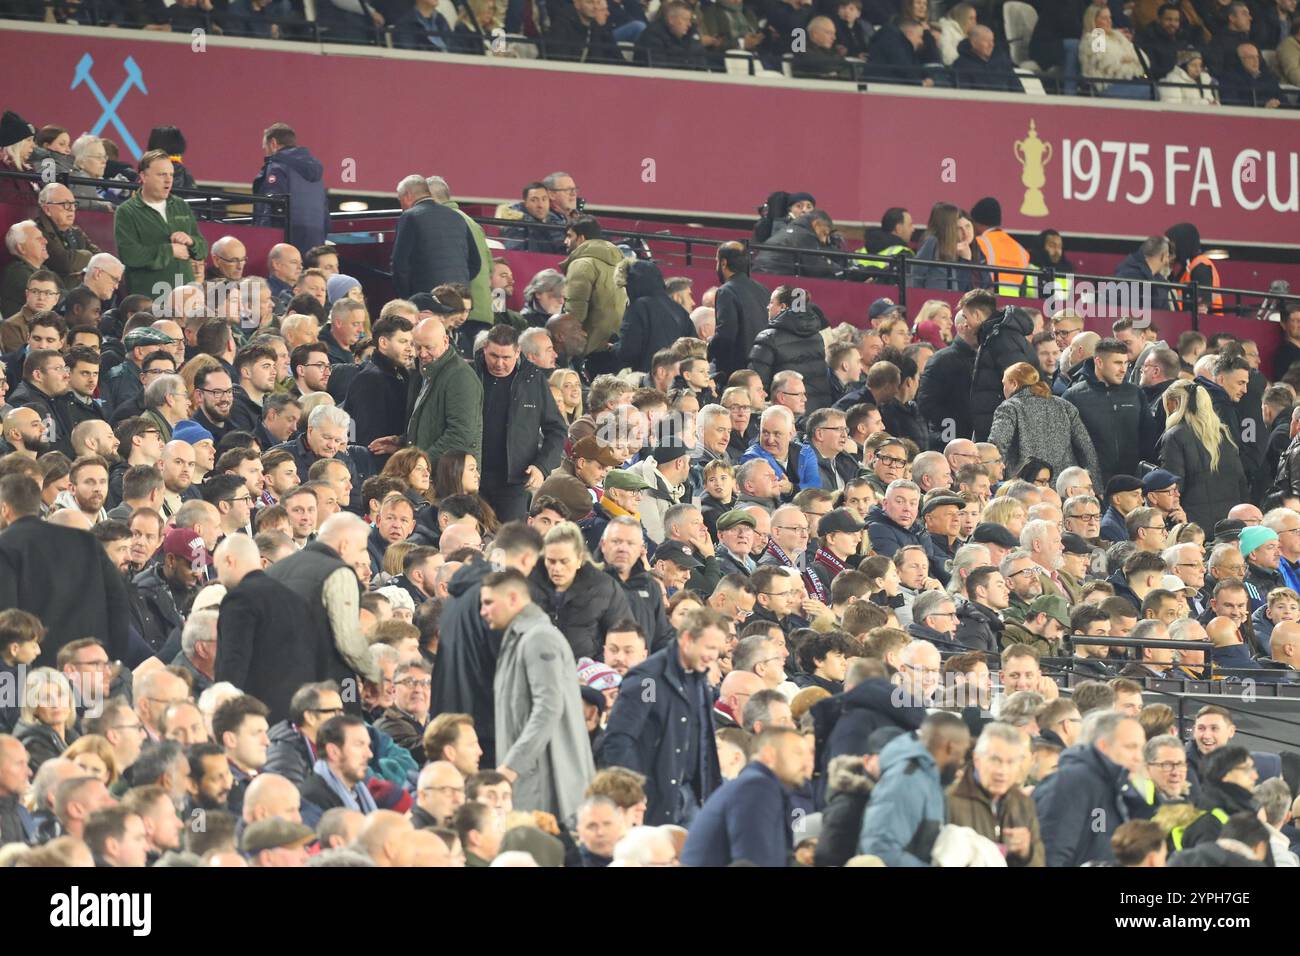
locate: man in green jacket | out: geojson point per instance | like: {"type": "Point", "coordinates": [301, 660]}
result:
{"type": "Point", "coordinates": [480, 285]}
{"type": "Point", "coordinates": [448, 414]}
{"type": "Point", "coordinates": [590, 293]}
{"type": "Point", "coordinates": [157, 237]}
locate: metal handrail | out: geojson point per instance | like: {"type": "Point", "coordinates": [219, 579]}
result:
{"type": "Point", "coordinates": [1191, 291]}
{"type": "Point", "coordinates": [200, 199]}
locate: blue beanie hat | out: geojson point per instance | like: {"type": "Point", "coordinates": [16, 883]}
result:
{"type": "Point", "coordinates": [191, 432]}
{"type": "Point", "coordinates": [339, 286]}
{"type": "Point", "coordinates": [1252, 538]}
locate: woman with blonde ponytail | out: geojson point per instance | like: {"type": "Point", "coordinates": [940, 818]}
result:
{"type": "Point", "coordinates": [1198, 447]}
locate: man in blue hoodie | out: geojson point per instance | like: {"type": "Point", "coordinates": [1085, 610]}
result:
{"type": "Point", "coordinates": [907, 809]}
{"type": "Point", "coordinates": [750, 818]}
{"type": "Point", "coordinates": [290, 169]}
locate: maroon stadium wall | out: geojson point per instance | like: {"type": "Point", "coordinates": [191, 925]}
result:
{"type": "Point", "coordinates": [654, 140]}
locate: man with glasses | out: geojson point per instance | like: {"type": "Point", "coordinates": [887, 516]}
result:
{"type": "Point", "coordinates": [741, 411]}
{"type": "Point", "coordinates": [154, 692]}
{"type": "Point", "coordinates": [310, 366]}
{"type": "Point", "coordinates": [214, 397]}
{"type": "Point", "coordinates": [1285, 523]}
{"type": "Point", "coordinates": [934, 619]}
{"type": "Point", "coordinates": [780, 598]}
{"type": "Point", "coordinates": [68, 247]}
{"type": "Point", "coordinates": [46, 381]}
{"type": "Point", "coordinates": [229, 257]}
{"type": "Point", "coordinates": [86, 665]}
{"type": "Point", "coordinates": [790, 392]}
{"type": "Point", "coordinates": [117, 723]}
{"type": "Point", "coordinates": [29, 250]}
{"type": "Point", "coordinates": [229, 494]}
{"type": "Point", "coordinates": [1161, 491]}
{"type": "Point", "coordinates": [40, 294]}
{"type": "Point", "coordinates": [439, 793]}
{"type": "Point", "coordinates": [1187, 562]}
{"type": "Point", "coordinates": [961, 452]}
{"type": "Point", "coordinates": [828, 435]}
{"type": "Point", "coordinates": [1081, 515]}
{"type": "Point", "coordinates": [407, 719]}
{"type": "Point", "coordinates": [1166, 765]}
{"type": "Point", "coordinates": [888, 464]}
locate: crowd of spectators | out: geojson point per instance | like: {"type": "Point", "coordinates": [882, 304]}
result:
{"type": "Point", "coordinates": [1201, 52]}
{"type": "Point", "coordinates": [639, 575]}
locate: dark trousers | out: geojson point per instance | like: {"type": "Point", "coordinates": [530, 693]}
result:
{"type": "Point", "coordinates": [510, 502]}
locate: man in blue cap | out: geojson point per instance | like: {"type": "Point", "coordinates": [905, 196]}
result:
{"type": "Point", "coordinates": [1161, 490]}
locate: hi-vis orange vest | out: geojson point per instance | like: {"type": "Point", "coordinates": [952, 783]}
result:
{"type": "Point", "coordinates": [1001, 250]}
{"type": "Point", "coordinates": [1216, 300]}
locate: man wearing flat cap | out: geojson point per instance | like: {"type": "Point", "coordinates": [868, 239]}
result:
{"type": "Point", "coordinates": [123, 382]}
{"type": "Point", "coordinates": [1124, 493]}
{"type": "Point", "coordinates": [624, 493]}
{"type": "Point", "coordinates": [735, 538]}
{"type": "Point", "coordinates": [940, 512]}
{"type": "Point", "coordinates": [1161, 491]}
{"type": "Point", "coordinates": [997, 538]}
{"type": "Point", "coordinates": [276, 842]}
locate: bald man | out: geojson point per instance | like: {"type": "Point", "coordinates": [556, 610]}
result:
{"type": "Point", "coordinates": [71, 518]}
{"type": "Point", "coordinates": [1284, 651]}
{"type": "Point", "coordinates": [228, 259]}
{"type": "Point", "coordinates": [428, 849]}
{"type": "Point", "coordinates": [283, 267]}
{"type": "Point", "coordinates": [1229, 649]}
{"type": "Point", "coordinates": [460, 535]}
{"type": "Point", "coordinates": [385, 837]}
{"type": "Point", "coordinates": [569, 336]}
{"type": "Point", "coordinates": [1247, 513]}
{"type": "Point", "coordinates": [271, 795]}
{"type": "Point", "coordinates": [737, 688]}
{"type": "Point", "coordinates": [440, 792]}
{"type": "Point", "coordinates": [24, 433]}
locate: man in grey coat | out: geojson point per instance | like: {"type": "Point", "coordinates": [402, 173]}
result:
{"type": "Point", "coordinates": [541, 735]}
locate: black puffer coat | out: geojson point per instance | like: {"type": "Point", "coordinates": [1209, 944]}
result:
{"type": "Point", "coordinates": [652, 320]}
{"type": "Point", "coordinates": [585, 612]}
{"type": "Point", "coordinates": [1118, 422]}
{"type": "Point", "coordinates": [1207, 495]}
{"type": "Point", "coordinates": [796, 235]}
{"type": "Point", "coordinates": [793, 342]}
{"type": "Point", "coordinates": [1003, 341]}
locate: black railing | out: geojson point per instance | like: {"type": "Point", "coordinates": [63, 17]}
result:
{"type": "Point", "coordinates": [209, 205]}
{"type": "Point", "coordinates": [897, 269]}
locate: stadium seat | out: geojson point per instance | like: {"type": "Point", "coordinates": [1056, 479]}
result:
{"type": "Point", "coordinates": [740, 63]}
{"type": "Point", "coordinates": [1032, 84]}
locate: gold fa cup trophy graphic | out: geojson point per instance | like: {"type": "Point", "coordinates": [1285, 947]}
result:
{"type": "Point", "coordinates": [1032, 154]}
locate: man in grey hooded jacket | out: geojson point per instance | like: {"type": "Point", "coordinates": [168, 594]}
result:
{"type": "Point", "coordinates": [541, 736]}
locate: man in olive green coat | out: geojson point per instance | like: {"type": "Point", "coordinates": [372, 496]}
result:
{"type": "Point", "coordinates": [480, 284]}
{"type": "Point", "coordinates": [448, 413]}
{"type": "Point", "coordinates": [591, 294]}
{"type": "Point", "coordinates": [157, 237]}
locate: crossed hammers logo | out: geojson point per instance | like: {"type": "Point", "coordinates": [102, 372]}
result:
{"type": "Point", "coordinates": [133, 78]}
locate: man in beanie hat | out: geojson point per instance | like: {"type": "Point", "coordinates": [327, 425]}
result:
{"type": "Point", "coordinates": [998, 247]}
{"type": "Point", "coordinates": [665, 473]}
{"type": "Point", "coordinates": [1260, 547]}
{"type": "Point", "coordinates": [1124, 493]}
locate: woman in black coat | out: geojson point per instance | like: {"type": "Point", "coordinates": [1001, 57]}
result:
{"type": "Point", "coordinates": [1198, 447]}
{"type": "Point", "coordinates": [793, 342]}
{"type": "Point", "coordinates": [581, 600]}
{"type": "Point", "coordinates": [1003, 341]}
{"type": "Point", "coordinates": [653, 320]}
